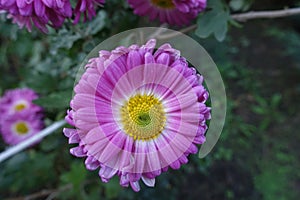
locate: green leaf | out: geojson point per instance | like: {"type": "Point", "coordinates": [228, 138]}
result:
{"type": "Point", "coordinates": [214, 21]}
{"type": "Point", "coordinates": [112, 189]}
{"type": "Point", "coordinates": [59, 100]}
{"type": "Point", "coordinates": [40, 82]}
{"type": "Point", "coordinates": [258, 110]}
{"type": "Point", "coordinates": [240, 5]}
{"type": "Point", "coordinates": [275, 100]}
{"type": "Point", "coordinates": [236, 4]}
{"type": "Point", "coordinates": [96, 24]}
{"type": "Point", "coordinates": [221, 26]}
{"type": "Point", "coordinates": [63, 39]}
{"type": "Point", "coordinates": [76, 174]}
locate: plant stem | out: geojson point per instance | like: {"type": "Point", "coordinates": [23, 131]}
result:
{"type": "Point", "coordinates": [242, 17]}
{"type": "Point", "coordinates": [265, 14]}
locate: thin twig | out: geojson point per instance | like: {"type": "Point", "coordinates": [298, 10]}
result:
{"type": "Point", "coordinates": [174, 34]}
{"type": "Point", "coordinates": [55, 193]}
{"type": "Point", "coordinates": [265, 14]}
{"type": "Point", "coordinates": [241, 18]}
{"type": "Point", "coordinates": [50, 194]}
{"type": "Point", "coordinates": [44, 193]}
{"type": "Point", "coordinates": [158, 32]}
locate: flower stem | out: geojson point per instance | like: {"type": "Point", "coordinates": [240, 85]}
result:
{"type": "Point", "coordinates": [241, 17]}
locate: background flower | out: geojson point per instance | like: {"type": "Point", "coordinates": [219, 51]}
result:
{"type": "Point", "coordinates": [20, 118]}
{"type": "Point", "coordinates": [38, 12]}
{"type": "Point", "coordinates": [87, 8]}
{"type": "Point", "coordinates": [19, 126]}
{"type": "Point", "coordinates": [175, 12]}
{"type": "Point", "coordinates": [137, 113]}
{"type": "Point", "coordinates": [17, 100]}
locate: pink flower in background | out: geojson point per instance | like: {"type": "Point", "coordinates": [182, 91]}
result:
{"type": "Point", "coordinates": [20, 118]}
{"type": "Point", "coordinates": [174, 12]}
{"type": "Point", "coordinates": [87, 8]}
{"type": "Point", "coordinates": [137, 112]}
{"type": "Point", "coordinates": [18, 100]}
{"type": "Point", "coordinates": [37, 12]}
{"type": "Point", "coordinates": [20, 126]}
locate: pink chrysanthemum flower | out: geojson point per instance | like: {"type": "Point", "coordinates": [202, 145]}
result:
{"type": "Point", "coordinates": [20, 118]}
{"type": "Point", "coordinates": [18, 100]}
{"type": "Point", "coordinates": [19, 126]}
{"type": "Point", "coordinates": [174, 12]}
{"type": "Point", "coordinates": [87, 8]}
{"type": "Point", "coordinates": [38, 12]}
{"type": "Point", "coordinates": [137, 112]}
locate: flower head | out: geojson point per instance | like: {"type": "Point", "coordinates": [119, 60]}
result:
{"type": "Point", "coordinates": [18, 100]}
{"type": "Point", "coordinates": [87, 8]}
{"type": "Point", "coordinates": [175, 12]}
{"type": "Point", "coordinates": [137, 112]}
{"type": "Point", "coordinates": [37, 12]}
{"type": "Point", "coordinates": [19, 126]}
{"type": "Point", "coordinates": [19, 117]}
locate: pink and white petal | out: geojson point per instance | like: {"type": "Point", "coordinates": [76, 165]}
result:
{"type": "Point", "coordinates": [82, 125]}
{"type": "Point", "coordinates": [175, 165]}
{"type": "Point", "coordinates": [200, 139]}
{"type": "Point", "coordinates": [135, 186]}
{"type": "Point", "coordinates": [166, 153]}
{"type": "Point", "coordinates": [113, 148]}
{"type": "Point", "coordinates": [124, 180]}
{"type": "Point", "coordinates": [152, 158]}
{"type": "Point", "coordinates": [134, 59]}
{"type": "Point", "coordinates": [123, 90]}
{"type": "Point", "coordinates": [152, 174]}
{"type": "Point", "coordinates": [82, 100]}
{"type": "Point", "coordinates": [183, 159]}
{"type": "Point", "coordinates": [74, 139]}
{"type": "Point", "coordinates": [96, 148]}
{"type": "Point", "coordinates": [87, 114]}
{"type": "Point", "coordinates": [84, 87]}
{"type": "Point", "coordinates": [163, 58]}
{"type": "Point", "coordinates": [91, 163]}
{"type": "Point", "coordinates": [179, 143]}
{"type": "Point", "coordinates": [78, 151]}
{"type": "Point", "coordinates": [107, 173]}
{"type": "Point", "coordinates": [94, 135]}
{"type": "Point", "coordinates": [149, 58]}
{"type": "Point", "coordinates": [139, 156]}
{"type": "Point", "coordinates": [148, 181]}
{"type": "Point", "coordinates": [68, 132]}
{"type": "Point", "coordinates": [192, 149]}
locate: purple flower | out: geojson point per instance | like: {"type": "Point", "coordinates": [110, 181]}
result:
{"type": "Point", "coordinates": [137, 112]}
{"type": "Point", "coordinates": [19, 126]}
{"type": "Point", "coordinates": [19, 117]}
{"type": "Point", "coordinates": [37, 12]}
{"type": "Point", "coordinates": [174, 12]}
{"type": "Point", "coordinates": [87, 8]}
{"type": "Point", "coordinates": [18, 100]}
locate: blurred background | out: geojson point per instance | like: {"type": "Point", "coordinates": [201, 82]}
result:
{"type": "Point", "coordinates": [255, 158]}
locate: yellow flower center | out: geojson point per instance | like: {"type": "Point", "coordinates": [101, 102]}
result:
{"type": "Point", "coordinates": [21, 128]}
{"type": "Point", "coordinates": [143, 117]}
{"type": "Point", "coordinates": [166, 4]}
{"type": "Point", "coordinates": [20, 107]}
